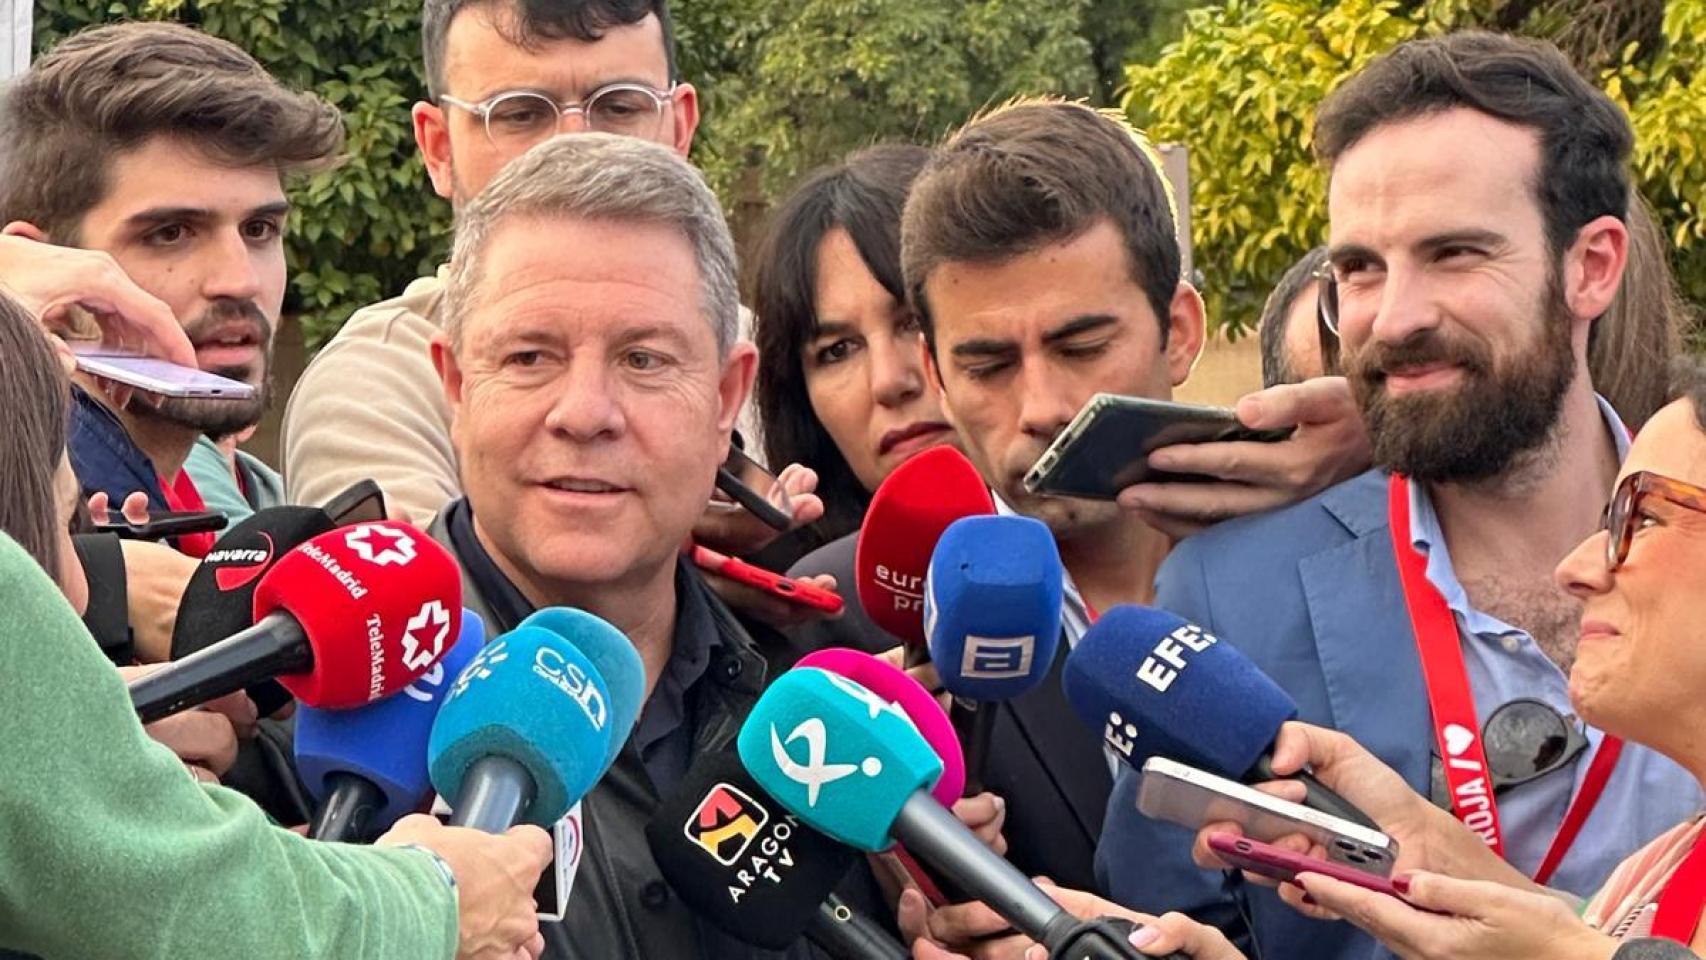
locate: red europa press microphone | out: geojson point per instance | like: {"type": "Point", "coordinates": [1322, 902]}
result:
{"type": "Point", "coordinates": [909, 511]}
{"type": "Point", "coordinates": [353, 615]}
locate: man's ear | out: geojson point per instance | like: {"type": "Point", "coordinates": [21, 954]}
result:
{"type": "Point", "coordinates": [432, 136]}
{"type": "Point", "coordinates": [449, 370]}
{"type": "Point", "coordinates": [1593, 267]}
{"type": "Point", "coordinates": [1186, 328]}
{"type": "Point", "coordinates": [739, 371]}
{"type": "Point", "coordinates": [685, 114]}
{"type": "Point", "coordinates": [27, 230]}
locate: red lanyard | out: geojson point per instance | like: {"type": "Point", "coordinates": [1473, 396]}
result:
{"type": "Point", "coordinates": [1457, 730]}
{"type": "Point", "coordinates": [1683, 899]}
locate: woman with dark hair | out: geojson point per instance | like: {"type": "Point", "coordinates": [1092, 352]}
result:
{"type": "Point", "coordinates": [842, 386]}
{"type": "Point", "coordinates": [124, 831]}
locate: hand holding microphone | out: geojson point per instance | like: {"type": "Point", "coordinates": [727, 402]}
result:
{"type": "Point", "coordinates": [853, 766]}
{"type": "Point", "coordinates": [971, 926]}
{"type": "Point", "coordinates": [495, 876]}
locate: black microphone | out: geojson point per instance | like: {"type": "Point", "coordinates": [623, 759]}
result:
{"type": "Point", "coordinates": [754, 870]}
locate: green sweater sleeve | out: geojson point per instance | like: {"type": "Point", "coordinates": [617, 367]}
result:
{"type": "Point", "coordinates": [108, 848]}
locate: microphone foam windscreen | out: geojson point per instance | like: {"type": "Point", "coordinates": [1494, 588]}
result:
{"type": "Point", "coordinates": [220, 597]}
{"type": "Point", "coordinates": [910, 696]}
{"type": "Point", "coordinates": [909, 511]}
{"type": "Point", "coordinates": [612, 654]}
{"type": "Point", "coordinates": [740, 859]}
{"type": "Point", "coordinates": [379, 602]}
{"type": "Point", "coordinates": [534, 698]}
{"type": "Point", "coordinates": [992, 606]}
{"type": "Point", "coordinates": [385, 742]}
{"type": "Point", "coordinates": [1156, 685]}
{"type": "Point", "coordinates": [841, 758]}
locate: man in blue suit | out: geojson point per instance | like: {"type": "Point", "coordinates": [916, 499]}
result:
{"type": "Point", "coordinates": [1478, 190]}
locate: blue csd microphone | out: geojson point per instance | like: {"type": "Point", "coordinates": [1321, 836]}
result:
{"type": "Point", "coordinates": [1155, 685]}
{"type": "Point", "coordinates": [611, 654]}
{"type": "Point", "coordinates": [524, 733]}
{"type": "Point", "coordinates": [992, 601]}
{"type": "Point", "coordinates": [366, 768]}
{"type": "Point", "coordinates": [851, 766]}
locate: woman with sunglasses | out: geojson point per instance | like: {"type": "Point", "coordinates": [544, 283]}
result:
{"type": "Point", "coordinates": [113, 849]}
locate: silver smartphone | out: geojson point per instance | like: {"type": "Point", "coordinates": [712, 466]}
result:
{"type": "Point", "coordinates": [1193, 798]}
{"type": "Point", "coordinates": [162, 377]}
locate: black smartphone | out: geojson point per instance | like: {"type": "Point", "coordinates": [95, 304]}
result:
{"type": "Point", "coordinates": [739, 481]}
{"type": "Point", "coordinates": [1106, 447]}
{"type": "Point", "coordinates": [161, 524]}
{"type": "Point", "coordinates": [363, 502]}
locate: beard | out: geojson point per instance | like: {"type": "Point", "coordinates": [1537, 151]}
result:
{"type": "Point", "coordinates": [221, 418]}
{"type": "Point", "coordinates": [1479, 429]}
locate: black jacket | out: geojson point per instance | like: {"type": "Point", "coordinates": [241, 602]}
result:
{"type": "Point", "coordinates": [1044, 761]}
{"type": "Point", "coordinates": [621, 907]}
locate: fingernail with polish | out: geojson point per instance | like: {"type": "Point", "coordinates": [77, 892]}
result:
{"type": "Point", "coordinates": [1402, 885]}
{"type": "Point", "coordinates": [1143, 937]}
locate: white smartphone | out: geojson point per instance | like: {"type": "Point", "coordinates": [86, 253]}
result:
{"type": "Point", "coordinates": [1193, 798]}
{"type": "Point", "coordinates": [164, 378]}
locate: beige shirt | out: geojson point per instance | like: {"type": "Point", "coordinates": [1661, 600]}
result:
{"type": "Point", "coordinates": [371, 406]}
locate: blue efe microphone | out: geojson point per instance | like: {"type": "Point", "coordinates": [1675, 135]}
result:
{"type": "Point", "coordinates": [1156, 685]}
{"type": "Point", "coordinates": [612, 654]}
{"type": "Point", "coordinates": [367, 767]}
{"type": "Point", "coordinates": [853, 767]}
{"type": "Point", "coordinates": [992, 601]}
{"type": "Point", "coordinates": [524, 733]}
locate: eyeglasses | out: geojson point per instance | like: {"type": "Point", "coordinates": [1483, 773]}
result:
{"type": "Point", "coordinates": [1623, 514]}
{"type": "Point", "coordinates": [1327, 299]}
{"type": "Point", "coordinates": [1524, 740]}
{"type": "Point", "coordinates": [518, 119]}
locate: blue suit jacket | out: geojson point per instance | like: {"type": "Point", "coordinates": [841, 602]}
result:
{"type": "Point", "coordinates": [1310, 593]}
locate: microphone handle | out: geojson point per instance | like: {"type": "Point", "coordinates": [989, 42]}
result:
{"type": "Point", "coordinates": [1106, 938]}
{"type": "Point", "coordinates": [347, 815]}
{"type": "Point", "coordinates": [975, 724]}
{"type": "Point", "coordinates": [495, 793]}
{"type": "Point", "coordinates": [846, 935]}
{"type": "Point", "coordinates": [935, 836]}
{"type": "Point", "coordinates": [275, 645]}
{"type": "Point", "coordinates": [1317, 796]}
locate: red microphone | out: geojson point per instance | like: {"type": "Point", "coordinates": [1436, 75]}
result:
{"type": "Point", "coordinates": [352, 616]}
{"type": "Point", "coordinates": [908, 513]}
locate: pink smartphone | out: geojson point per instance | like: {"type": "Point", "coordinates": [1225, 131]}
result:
{"type": "Point", "coordinates": [1284, 865]}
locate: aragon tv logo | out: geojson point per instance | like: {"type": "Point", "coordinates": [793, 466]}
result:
{"type": "Point", "coordinates": [725, 823]}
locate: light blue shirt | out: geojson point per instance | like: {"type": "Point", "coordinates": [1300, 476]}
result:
{"type": "Point", "coordinates": [1648, 794]}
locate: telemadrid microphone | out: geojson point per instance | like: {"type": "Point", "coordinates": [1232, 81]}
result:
{"type": "Point", "coordinates": [523, 734]}
{"type": "Point", "coordinates": [855, 768]}
{"type": "Point", "coordinates": [754, 870]}
{"type": "Point", "coordinates": [219, 600]}
{"type": "Point", "coordinates": [611, 653]}
{"type": "Point", "coordinates": [1157, 685]}
{"type": "Point", "coordinates": [367, 767]}
{"type": "Point", "coordinates": [908, 512]}
{"type": "Point", "coordinates": [350, 617]}
{"type": "Point", "coordinates": [992, 605]}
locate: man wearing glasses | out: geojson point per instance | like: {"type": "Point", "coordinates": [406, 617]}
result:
{"type": "Point", "coordinates": [502, 76]}
{"type": "Point", "coordinates": [1478, 193]}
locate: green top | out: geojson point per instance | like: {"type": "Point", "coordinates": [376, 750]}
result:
{"type": "Point", "coordinates": [218, 485]}
{"type": "Point", "coordinates": [108, 848]}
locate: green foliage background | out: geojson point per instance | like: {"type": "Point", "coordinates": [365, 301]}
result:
{"type": "Point", "coordinates": [1240, 87]}
{"type": "Point", "coordinates": [790, 84]}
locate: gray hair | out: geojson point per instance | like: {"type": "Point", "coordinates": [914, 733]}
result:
{"type": "Point", "coordinates": [601, 177]}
